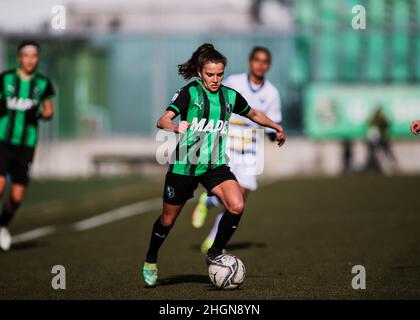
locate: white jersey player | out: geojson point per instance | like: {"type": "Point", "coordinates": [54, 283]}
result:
{"type": "Point", "coordinates": [243, 140]}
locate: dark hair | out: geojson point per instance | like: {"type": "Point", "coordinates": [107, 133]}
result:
{"type": "Point", "coordinates": [204, 54]}
{"type": "Point", "coordinates": [260, 49]}
{"type": "Point", "coordinates": [28, 43]}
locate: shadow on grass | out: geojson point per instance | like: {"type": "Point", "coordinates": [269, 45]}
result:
{"type": "Point", "coordinates": [405, 267]}
{"type": "Point", "coordinates": [190, 278]}
{"type": "Point", "coordinates": [28, 245]}
{"type": "Point", "coordinates": [185, 278]}
{"type": "Point", "coordinates": [239, 245]}
{"type": "Point", "coordinates": [245, 245]}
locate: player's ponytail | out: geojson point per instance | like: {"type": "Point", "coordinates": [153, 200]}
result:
{"type": "Point", "coordinates": [204, 54]}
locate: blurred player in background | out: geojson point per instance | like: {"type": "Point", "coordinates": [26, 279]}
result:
{"type": "Point", "coordinates": [415, 127]}
{"type": "Point", "coordinates": [205, 107]}
{"type": "Point", "coordinates": [22, 93]}
{"type": "Point", "coordinates": [379, 142]}
{"type": "Point", "coordinates": [262, 96]}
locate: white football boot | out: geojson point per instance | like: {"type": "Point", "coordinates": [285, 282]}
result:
{"type": "Point", "coordinates": [5, 239]}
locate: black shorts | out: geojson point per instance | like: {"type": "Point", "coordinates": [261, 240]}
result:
{"type": "Point", "coordinates": [16, 161]}
{"type": "Point", "coordinates": [179, 188]}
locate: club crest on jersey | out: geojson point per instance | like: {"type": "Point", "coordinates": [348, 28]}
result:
{"type": "Point", "coordinates": [229, 108]}
{"type": "Point", "coordinates": [36, 91]}
{"type": "Point", "coordinates": [211, 126]}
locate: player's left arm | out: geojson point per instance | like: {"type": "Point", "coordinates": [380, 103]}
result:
{"type": "Point", "coordinates": [263, 120]}
{"type": "Point", "coordinates": [242, 108]}
{"type": "Point", "coordinates": [47, 106]}
{"type": "Point", "coordinates": [47, 111]}
{"type": "Point", "coordinates": [273, 111]}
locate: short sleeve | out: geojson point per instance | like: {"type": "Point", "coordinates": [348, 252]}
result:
{"type": "Point", "coordinates": [1, 85]}
{"type": "Point", "coordinates": [241, 106]}
{"type": "Point", "coordinates": [180, 101]}
{"type": "Point", "coordinates": [49, 91]}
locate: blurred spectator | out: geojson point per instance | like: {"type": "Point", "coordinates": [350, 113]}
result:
{"type": "Point", "coordinates": [378, 141]}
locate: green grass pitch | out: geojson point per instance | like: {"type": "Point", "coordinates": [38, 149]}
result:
{"type": "Point", "coordinates": [299, 239]}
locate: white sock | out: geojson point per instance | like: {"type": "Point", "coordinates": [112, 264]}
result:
{"type": "Point", "coordinates": [212, 201]}
{"type": "Point", "coordinates": [213, 231]}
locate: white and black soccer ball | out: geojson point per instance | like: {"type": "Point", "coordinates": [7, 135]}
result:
{"type": "Point", "coordinates": [227, 272]}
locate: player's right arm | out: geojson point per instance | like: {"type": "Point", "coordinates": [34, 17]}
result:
{"type": "Point", "coordinates": [178, 105]}
{"type": "Point", "coordinates": [46, 112]}
{"type": "Point", "coordinates": [166, 122]}
{"type": "Point", "coordinates": [415, 127]}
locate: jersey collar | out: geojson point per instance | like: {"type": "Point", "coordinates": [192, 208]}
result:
{"type": "Point", "coordinates": [250, 84]}
{"type": "Point", "coordinates": [20, 77]}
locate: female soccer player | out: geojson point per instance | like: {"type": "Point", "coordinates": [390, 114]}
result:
{"type": "Point", "coordinates": [242, 141]}
{"type": "Point", "coordinates": [205, 107]}
{"type": "Point", "coordinates": [22, 92]}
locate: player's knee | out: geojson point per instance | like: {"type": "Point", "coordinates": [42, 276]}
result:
{"type": "Point", "coordinates": [17, 195]}
{"type": "Point", "coordinates": [236, 207]}
{"type": "Point", "coordinates": [167, 220]}
{"type": "Point", "coordinates": [16, 200]}
{"type": "Point", "coordinates": [2, 185]}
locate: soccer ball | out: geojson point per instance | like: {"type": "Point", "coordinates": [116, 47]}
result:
{"type": "Point", "coordinates": [227, 272]}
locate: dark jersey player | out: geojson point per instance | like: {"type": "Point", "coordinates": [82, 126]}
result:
{"type": "Point", "coordinates": [205, 107]}
{"type": "Point", "coordinates": [25, 98]}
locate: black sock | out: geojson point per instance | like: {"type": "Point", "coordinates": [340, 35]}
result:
{"type": "Point", "coordinates": [159, 234]}
{"type": "Point", "coordinates": [8, 213]}
{"type": "Point", "coordinates": [227, 226]}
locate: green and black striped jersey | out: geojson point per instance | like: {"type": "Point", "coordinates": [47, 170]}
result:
{"type": "Point", "coordinates": [19, 103]}
{"type": "Point", "coordinates": [203, 146]}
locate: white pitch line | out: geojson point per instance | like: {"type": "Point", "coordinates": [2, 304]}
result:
{"type": "Point", "coordinates": [94, 222]}
{"type": "Point", "coordinates": [99, 220]}
{"type": "Point", "coordinates": [118, 214]}
{"type": "Point", "coordinates": [33, 234]}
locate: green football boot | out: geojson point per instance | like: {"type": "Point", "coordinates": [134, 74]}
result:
{"type": "Point", "coordinates": [150, 274]}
